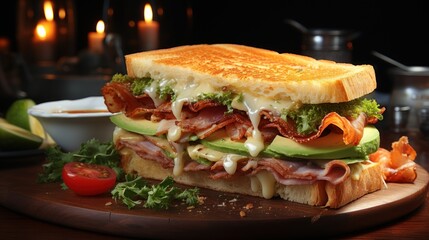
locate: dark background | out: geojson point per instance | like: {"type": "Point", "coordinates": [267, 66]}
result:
{"type": "Point", "coordinates": [398, 29]}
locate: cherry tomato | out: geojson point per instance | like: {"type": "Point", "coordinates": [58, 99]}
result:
{"type": "Point", "coordinates": [88, 179]}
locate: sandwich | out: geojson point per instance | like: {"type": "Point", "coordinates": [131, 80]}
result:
{"type": "Point", "coordinates": [240, 119]}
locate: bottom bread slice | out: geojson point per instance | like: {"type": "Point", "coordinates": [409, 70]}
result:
{"type": "Point", "coordinates": [367, 179]}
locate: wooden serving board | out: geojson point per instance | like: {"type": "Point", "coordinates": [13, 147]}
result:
{"type": "Point", "coordinates": [218, 217]}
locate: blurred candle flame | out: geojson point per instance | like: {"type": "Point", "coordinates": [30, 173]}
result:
{"type": "Point", "coordinates": [41, 31]}
{"type": "Point", "coordinates": [148, 14]}
{"type": "Point", "coordinates": [49, 11]}
{"type": "Point", "coordinates": [62, 13]}
{"type": "Point", "coordinates": [100, 26]}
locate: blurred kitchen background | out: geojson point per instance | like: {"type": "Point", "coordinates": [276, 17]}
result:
{"type": "Point", "coordinates": [50, 49]}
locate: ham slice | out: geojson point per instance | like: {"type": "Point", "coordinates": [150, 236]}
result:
{"type": "Point", "coordinates": [293, 173]}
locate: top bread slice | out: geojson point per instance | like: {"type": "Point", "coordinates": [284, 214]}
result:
{"type": "Point", "coordinates": [258, 71]}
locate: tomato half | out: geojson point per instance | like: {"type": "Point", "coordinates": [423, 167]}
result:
{"type": "Point", "coordinates": [88, 179]}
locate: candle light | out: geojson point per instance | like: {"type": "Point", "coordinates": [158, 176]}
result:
{"type": "Point", "coordinates": [45, 35]}
{"type": "Point", "coordinates": [49, 23]}
{"type": "Point", "coordinates": [4, 45]}
{"type": "Point", "coordinates": [148, 30]}
{"type": "Point", "coordinates": [44, 48]}
{"type": "Point", "coordinates": [95, 39]}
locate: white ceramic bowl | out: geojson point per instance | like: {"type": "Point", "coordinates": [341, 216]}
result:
{"type": "Point", "coordinates": [73, 122]}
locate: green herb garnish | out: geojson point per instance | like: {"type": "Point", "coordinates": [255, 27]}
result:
{"type": "Point", "coordinates": [224, 98]}
{"type": "Point", "coordinates": [93, 151]}
{"type": "Point", "coordinates": [135, 191]}
{"type": "Point", "coordinates": [166, 92]}
{"type": "Point", "coordinates": [139, 85]}
{"type": "Point", "coordinates": [309, 116]}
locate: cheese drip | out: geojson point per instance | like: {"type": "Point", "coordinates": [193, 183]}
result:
{"type": "Point", "coordinates": [253, 106]}
{"type": "Point", "coordinates": [152, 92]}
{"type": "Point", "coordinates": [187, 92]}
{"type": "Point", "coordinates": [179, 161]}
{"type": "Point", "coordinates": [229, 160]}
{"type": "Point", "coordinates": [265, 182]}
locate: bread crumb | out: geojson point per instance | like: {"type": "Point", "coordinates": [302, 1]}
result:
{"type": "Point", "coordinates": [190, 207]}
{"type": "Point", "coordinates": [201, 200]}
{"type": "Point", "coordinates": [242, 213]}
{"type": "Point", "coordinates": [108, 204]}
{"type": "Point", "coordinates": [248, 206]}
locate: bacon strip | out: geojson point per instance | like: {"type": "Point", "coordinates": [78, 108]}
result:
{"type": "Point", "coordinates": [398, 164]}
{"type": "Point", "coordinates": [352, 130]}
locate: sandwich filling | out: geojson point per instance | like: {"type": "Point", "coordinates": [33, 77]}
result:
{"type": "Point", "coordinates": [197, 108]}
{"type": "Point", "coordinates": [181, 126]}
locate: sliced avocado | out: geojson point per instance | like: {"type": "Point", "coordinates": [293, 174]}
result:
{"type": "Point", "coordinates": [144, 127]}
{"type": "Point", "coordinates": [221, 142]}
{"type": "Point", "coordinates": [330, 146]}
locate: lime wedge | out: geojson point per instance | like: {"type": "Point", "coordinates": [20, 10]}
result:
{"type": "Point", "coordinates": [17, 113]}
{"type": "Point", "coordinates": [13, 138]}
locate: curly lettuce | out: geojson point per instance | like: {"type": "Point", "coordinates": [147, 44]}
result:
{"type": "Point", "coordinates": [309, 116]}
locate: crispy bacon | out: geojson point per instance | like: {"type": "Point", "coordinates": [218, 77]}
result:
{"type": "Point", "coordinates": [398, 164]}
{"type": "Point", "coordinates": [352, 130]}
{"type": "Point", "coordinates": [118, 98]}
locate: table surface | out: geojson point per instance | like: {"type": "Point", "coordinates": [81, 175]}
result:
{"type": "Point", "coordinates": [415, 225]}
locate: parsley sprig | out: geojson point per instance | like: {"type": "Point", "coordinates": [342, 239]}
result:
{"type": "Point", "coordinates": [135, 191]}
{"type": "Point", "coordinates": [93, 151]}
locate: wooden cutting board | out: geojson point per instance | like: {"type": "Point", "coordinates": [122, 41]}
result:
{"type": "Point", "coordinates": [218, 217]}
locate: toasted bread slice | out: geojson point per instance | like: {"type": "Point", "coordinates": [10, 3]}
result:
{"type": "Point", "coordinates": [260, 72]}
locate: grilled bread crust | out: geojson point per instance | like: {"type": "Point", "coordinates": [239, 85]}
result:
{"type": "Point", "coordinates": [258, 71]}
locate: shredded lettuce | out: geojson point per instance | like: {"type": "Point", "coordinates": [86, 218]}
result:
{"type": "Point", "coordinates": [138, 85]}
{"type": "Point", "coordinates": [309, 116]}
{"type": "Point", "coordinates": [224, 98]}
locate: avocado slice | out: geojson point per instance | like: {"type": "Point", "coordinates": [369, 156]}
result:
{"type": "Point", "coordinates": [144, 127]}
{"type": "Point", "coordinates": [221, 142]}
{"type": "Point", "coordinates": [330, 146]}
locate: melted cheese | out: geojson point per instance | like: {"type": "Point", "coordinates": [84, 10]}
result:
{"type": "Point", "coordinates": [265, 182]}
{"type": "Point", "coordinates": [174, 133]}
{"type": "Point", "coordinates": [179, 161]}
{"type": "Point", "coordinates": [253, 106]}
{"type": "Point", "coordinates": [229, 160]}
{"type": "Point", "coordinates": [355, 171]}
{"type": "Point", "coordinates": [230, 163]}
{"type": "Point", "coordinates": [152, 92]}
{"type": "Point", "coordinates": [123, 134]}
{"type": "Point", "coordinates": [200, 151]}
{"type": "Point", "coordinates": [187, 92]}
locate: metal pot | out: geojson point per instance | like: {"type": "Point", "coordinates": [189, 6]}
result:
{"type": "Point", "coordinates": [411, 89]}
{"type": "Point", "coordinates": [330, 44]}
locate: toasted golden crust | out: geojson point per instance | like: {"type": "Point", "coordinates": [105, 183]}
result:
{"type": "Point", "coordinates": [370, 180]}
{"type": "Point", "coordinates": [261, 72]}
{"type": "Point", "coordinates": [317, 194]}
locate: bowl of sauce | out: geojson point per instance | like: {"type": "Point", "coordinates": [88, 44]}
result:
{"type": "Point", "coordinates": [73, 122]}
